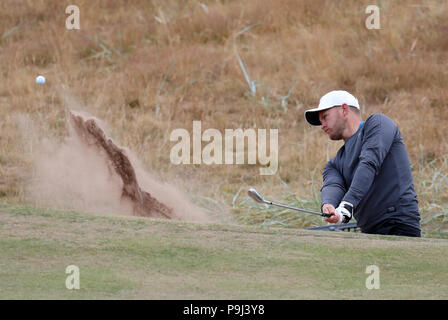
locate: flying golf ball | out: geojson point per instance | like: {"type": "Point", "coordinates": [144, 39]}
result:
{"type": "Point", "coordinates": [40, 80]}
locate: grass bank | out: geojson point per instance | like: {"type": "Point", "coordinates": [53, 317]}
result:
{"type": "Point", "coordinates": [137, 258]}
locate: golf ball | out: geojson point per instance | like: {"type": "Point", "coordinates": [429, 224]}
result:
{"type": "Point", "coordinates": [40, 80]}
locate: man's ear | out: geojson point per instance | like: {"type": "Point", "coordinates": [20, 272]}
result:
{"type": "Point", "coordinates": [344, 109]}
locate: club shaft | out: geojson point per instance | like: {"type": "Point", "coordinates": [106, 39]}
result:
{"type": "Point", "coordinates": [293, 208]}
{"type": "Point", "coordinates": [258, 198]}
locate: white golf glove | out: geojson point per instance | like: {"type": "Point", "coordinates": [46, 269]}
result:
{"type": "Point", "coordinates": [345, 212]}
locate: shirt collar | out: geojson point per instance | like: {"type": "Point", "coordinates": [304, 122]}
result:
{"type": "Point", "coordinates": [360, 125]}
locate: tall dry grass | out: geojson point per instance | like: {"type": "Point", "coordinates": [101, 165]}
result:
{"type": "Point", "coordinates": [148, 67]}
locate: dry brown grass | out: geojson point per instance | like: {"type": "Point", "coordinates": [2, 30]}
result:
{"type": "Point", "coordinates": [148, 67]}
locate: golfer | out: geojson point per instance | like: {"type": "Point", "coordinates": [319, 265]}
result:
{"type": "Point", "coordinates": [370, 177]}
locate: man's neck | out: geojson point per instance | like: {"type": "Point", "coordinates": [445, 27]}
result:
{"type": "Point", "coordinates": [352, 127]}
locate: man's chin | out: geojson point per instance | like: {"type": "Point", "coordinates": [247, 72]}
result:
{"type": "Point", "coordinates": [334, 137]}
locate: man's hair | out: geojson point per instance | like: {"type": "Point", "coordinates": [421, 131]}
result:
{"type": "Point", "coordinates": [355, 110]}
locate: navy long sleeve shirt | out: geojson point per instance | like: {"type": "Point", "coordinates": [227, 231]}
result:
{"type": "Point", "coordinates": [372, 171]}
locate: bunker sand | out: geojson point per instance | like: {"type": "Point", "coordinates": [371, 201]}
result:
{"type": "Point", "coordinates": [143, 204]}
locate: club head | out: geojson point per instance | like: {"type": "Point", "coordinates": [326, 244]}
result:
{"type": "Point", "coordinates": [255, 195]}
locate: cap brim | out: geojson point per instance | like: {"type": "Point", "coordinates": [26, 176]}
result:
{"type": "Point", "coordinates": [312, 116]}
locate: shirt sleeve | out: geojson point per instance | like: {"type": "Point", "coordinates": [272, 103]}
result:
{"type": "Point", "coordinates": [379, 135]}
{"type": "Point", "coordinates": [333, 188]}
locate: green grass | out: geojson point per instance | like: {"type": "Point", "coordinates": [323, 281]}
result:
{"type": "Point", "coordinates": [138, 258]}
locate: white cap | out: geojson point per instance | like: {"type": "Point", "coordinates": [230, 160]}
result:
{"type": "Point", "coordinates": [331, 99]}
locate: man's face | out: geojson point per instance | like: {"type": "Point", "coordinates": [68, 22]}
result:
{"type": "Point", "coordinates": [333, 123]}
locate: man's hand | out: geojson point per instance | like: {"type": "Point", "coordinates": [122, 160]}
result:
{"type": "Point", "coordinates": [342, 214]}
{"type": "Point", "coordinates": [328, 208]}
{"type": "Point", "coordinates": [345, 211]}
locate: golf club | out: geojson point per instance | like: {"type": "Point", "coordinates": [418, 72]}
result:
{"type": "Point", "coordinates": [258, 198]}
